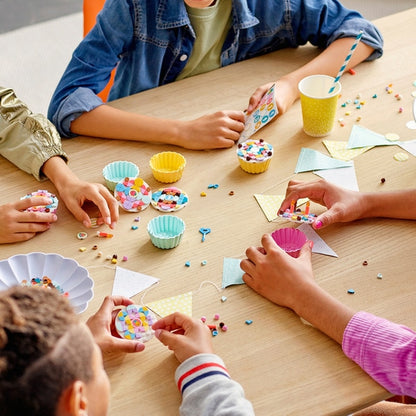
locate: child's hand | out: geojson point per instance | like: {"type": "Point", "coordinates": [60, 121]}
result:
{"type": "Point", "coordinates": [277, 276]}
{"type": "Point", "coordinates": [18, 225]}
{"type": "Point", "coordinates": [79, 192]}
{"type": "Point", "coordinates": [343, 205]}
{"type": "Point", "coordinates": [213, 131]}
{"type": "Point", "coordinates": [286, 93]}
{"type": "Point", "coordinates": [101, 325]}
{"type": "Point", "coordinates": [190, 337]}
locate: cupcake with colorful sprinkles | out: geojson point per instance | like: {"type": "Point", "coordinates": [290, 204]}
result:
{"type": "Point", "coordinates": [254, 155]}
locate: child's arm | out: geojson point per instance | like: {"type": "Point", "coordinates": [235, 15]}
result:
{"type": "Point", "coordinates": [31, 142]}
{"type": "Point", "coordinates": [217, 130]}
{"type": "Point", "coordinates": [386, 351]}
{"type": "Point", "coordinates": [75, 192]}
{"type": "Point", "coordinates": [206, 387]}
{"type": "Point", "coordinates": [18, 225]}
{"type": "Point", "coordinates": [345, 205]}
{"type": "Point", "coordinates": [27, 140]}
{"type": "Point", "coordinates": [289, 282]}
{"type": "Point", "coordinates": [327, 62]}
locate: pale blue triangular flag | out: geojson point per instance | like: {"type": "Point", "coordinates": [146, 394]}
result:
{"type": "Point", "coordinates": [310, 159]}
{"type": "Point", "coordinates": [362, 137]}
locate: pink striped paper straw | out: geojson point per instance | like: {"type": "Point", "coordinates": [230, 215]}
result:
{"type": "Point", "coordinates": [347, 59]}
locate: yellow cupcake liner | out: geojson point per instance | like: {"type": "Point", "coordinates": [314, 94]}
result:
{"type": "Point", "coordinates": [252, 167]}
{"type": "Point", "coordinates": [167, 167]}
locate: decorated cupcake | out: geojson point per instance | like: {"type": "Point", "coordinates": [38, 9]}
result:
{"type": "Point", "coordinates": [254, 155]}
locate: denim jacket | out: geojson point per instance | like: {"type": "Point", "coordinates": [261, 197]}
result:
{"type": "Point", "coordinates": [150, 42]}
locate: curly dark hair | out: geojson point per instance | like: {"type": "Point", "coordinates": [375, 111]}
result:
{"type": "Point", "coordinates": [43, 349]}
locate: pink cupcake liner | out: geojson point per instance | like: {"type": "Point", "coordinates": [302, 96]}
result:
{"type": "Point", "coordinates": [291, 240]}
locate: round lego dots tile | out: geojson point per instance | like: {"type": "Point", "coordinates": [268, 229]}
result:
{"type": "Point", "coordinates": [133, 194]}
{"type": "Point", "coordinates": [169, 199]}
{"type": "Point", "coordinates": [401, 157]}
{"type": "Point", "coordinates": [43, 208]}
{"type": "Point", "coordinates": [411, 125]}
{"type": "Point", "coordinates": [392, 137]}
{"type": "Point", "coordinates": [135, 322]}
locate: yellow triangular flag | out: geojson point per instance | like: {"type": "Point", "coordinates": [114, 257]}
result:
{"type": "Point", "coordinates": [338, 150]}
{"type": "Point", "coordinates": [180, 303]}
{"type": "Point", "coordinates": [269, 204]}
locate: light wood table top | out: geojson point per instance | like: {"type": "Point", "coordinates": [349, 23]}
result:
{"type": "Point", "coordinates": [285, 366]}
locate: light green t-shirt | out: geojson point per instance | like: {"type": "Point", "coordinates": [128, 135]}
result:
{"type": "Point", "coordinates": [211, 26]}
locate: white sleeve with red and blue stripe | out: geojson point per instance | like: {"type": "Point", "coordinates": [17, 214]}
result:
{"type": "Point", "coordinates": [207, 389]}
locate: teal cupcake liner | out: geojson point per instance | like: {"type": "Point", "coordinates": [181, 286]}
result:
{"type": "Point", "coordinates": [116, 171]}
{"type": "Point", "coordinates": [166, 231]}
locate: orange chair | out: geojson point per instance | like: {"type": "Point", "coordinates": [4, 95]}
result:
{"type": "Point", "coordinates": [90, 10]}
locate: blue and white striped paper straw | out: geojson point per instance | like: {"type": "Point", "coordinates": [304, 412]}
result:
{"type": "Point", "coordinates": [347, 59]}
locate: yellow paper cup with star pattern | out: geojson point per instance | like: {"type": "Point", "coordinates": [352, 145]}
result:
{"type": "Point", "coordinates": [318, 106]}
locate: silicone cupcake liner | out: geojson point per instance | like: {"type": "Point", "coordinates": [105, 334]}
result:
{"type": "Point", "coordinates": [133, 194]}
{"type": "Point", "coordinates": [167, 167]}
{"type": "Point", "coordinates": [166, 231]}
{"type": "Point", "coordinates": [290, 240]}
{"type": "Point", "coordinates": [258, 167]}
{"type": "Point", "coordinates": [114, 172]}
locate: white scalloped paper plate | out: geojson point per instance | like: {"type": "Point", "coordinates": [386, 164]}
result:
{"type": "Point", "coordinates": [67, 273]}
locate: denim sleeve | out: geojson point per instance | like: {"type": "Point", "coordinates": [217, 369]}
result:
{"type": "Point", "coordinates": [323, 22]}
{"type": "Point", "coordinates": [89, 69]}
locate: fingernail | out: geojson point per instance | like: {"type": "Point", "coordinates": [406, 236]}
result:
{"type": "Point", "coordinates": [318, 224]}
{"type": "Point", "coordinates": [157, 333]}
{"type": "Point", "coordinates": [311, 244]}
{"type": "Point", "coordinates": [85, 223]}
{"type": "Point", "coordinates": [139, 347]}
{"type": "Point", "coordinates": [108, 220]}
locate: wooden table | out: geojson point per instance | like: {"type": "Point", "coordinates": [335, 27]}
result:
{"type": "Point", "coordinates": [285, 366]}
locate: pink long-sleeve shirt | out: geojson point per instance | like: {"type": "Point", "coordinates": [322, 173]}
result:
{"type": "Point", "coordinates": [384, 350]}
